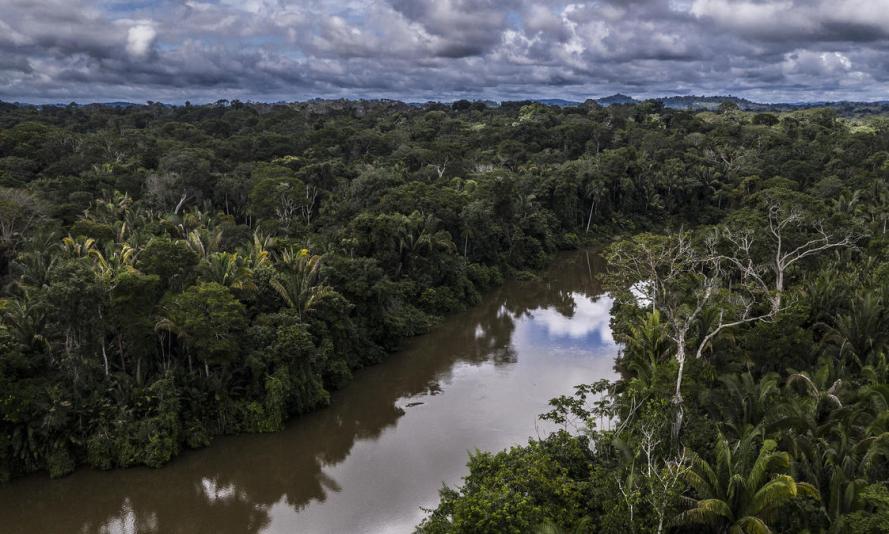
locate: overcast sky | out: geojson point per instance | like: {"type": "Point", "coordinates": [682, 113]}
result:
{"type": "Point", "coordinates": [204, 50]}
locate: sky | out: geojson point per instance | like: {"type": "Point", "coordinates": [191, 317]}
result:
{"type": "Point", "coordinates": [417, 50]}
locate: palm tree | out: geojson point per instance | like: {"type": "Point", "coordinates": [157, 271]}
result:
{"type": "Point", "coordinates": [117, 259]}
{"type": "Point", "coordinates": [878, 207]}
{"type": "Point", "coordinates": [836, 443]}
{"type": "Point", "coordinates": [743, 490]}
{"type": "Point", "coordinates": [228, 269]}
{"type": "Point", "coordinates": [418, 234]}
{"type": "Point", "coordinates": [258, 253]}
{"type": "Point", "coordinates": [849, 203]}
{"type": "Point", "coordinates": [817, 386]}
{"type": "Point", "coordinates": [743, 403]}
{"type": "Point", "coordinates": [79, 247]}
{"type": "Point", "coordinates": [299, 282]}
{"type": "Point", "coordinates": [647, 349]}
{"type": "Point", "coordinates": [110, 208]}
{"type": "Point", "coordinates": [203, 241]}
{"type": "Point", "coordinates": [35, 266]}
{"type": "Point", "coordinates": [26, 319]}
{"type": "Point", "coordinates": [594, 191]}
{"type": "Point", "coordinates": [859, 332]}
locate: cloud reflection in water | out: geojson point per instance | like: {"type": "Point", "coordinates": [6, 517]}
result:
{"type": "Point", "coordinates": [587, 328]}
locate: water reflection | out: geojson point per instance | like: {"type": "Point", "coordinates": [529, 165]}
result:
{"type": "Point", "coordinates": [384, 446]}
{"type": "Point", "coordinates": [588, 324]}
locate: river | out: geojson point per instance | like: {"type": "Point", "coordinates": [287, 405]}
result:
{"type": "Point", "coordinates": [385, 445]}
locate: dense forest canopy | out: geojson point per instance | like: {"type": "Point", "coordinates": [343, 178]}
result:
{"type": "Point", "coordinates": [170, 274]}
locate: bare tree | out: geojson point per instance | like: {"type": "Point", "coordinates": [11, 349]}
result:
{"type": "Point", "coordinates": [286, 209]}
{"type": "Point", "coordinates": [730, 160]}
{"type": "Point", "coordinates": [181, 203]}
{"type": "Point", "coordinates": [440, 168]}
{"type": "Point", "coordinates": [681, 279]}
{"type": "Point", "coordinates": [165, 190]}
{"type": "Point", "coordinates": [672, 274]}
{"type": "Point", "coordinates": [721, 273]}
{"type": "Point", "coordinates": [308, 207]}
{"type": "Point", "coordinates": [782, 219]}
{"type": "Point", "coordinates": [663, 478]}
{"type": "Point", "coordinates": [782, 251]}
{"type": "Point", "coordinates": [20, 212]}
{"type": "Point", "coordinates": [659, 482]}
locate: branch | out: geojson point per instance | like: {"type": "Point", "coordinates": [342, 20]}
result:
{"type": "Point", "coordinates": [180, 204]}
{"type": "Point", "coordinates": [803, 250]}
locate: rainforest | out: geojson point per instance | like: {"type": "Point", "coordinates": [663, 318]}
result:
{"type": "Point", "coordinates": [171, 275]}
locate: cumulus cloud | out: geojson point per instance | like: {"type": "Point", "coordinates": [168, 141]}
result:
{"type": "Point", "coordinates": [854, 20]}
{"type": "Point", "coordinates": [59, 50]}
{"type": "Point", "coordinates": [140, 39]}
{"type": "Point", "coordinates": [817, 63]}
{"type": "Point", "coordinates": [591, 318]}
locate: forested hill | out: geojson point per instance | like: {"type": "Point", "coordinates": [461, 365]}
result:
{"type": "Point", "coordinates": [170, 274]}
{"type": "Point", "coordinates": [844, 108]}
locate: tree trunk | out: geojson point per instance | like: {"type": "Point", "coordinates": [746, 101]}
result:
{"type": "Point", "coordinates": [779, 289]}
{"type": "Point", "coordinates": [105, 357]}
{"type": "Point", "coordinates": [680, 357]}
{"type": "Point", "coordinates": [677, 397]}
{"type": "Point", "coordinates": [123, 360]}
{"type": "Point", "coordinates": [180, 204]}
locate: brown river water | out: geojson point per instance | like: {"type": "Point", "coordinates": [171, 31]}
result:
{"type": "Point", "coordinates": [385, 445]}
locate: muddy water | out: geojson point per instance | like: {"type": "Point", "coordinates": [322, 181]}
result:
{"type": "Point", "coordinates": [383, 448]}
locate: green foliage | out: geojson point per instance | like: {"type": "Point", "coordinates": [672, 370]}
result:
{"type": "Point", "coordinates": [172, 274]}
{"type": "Point", "coordinates": [171, 260]}
{"type": "Point", "coordinates": [519, 490]}
{"type": "Point", "coordinates": [874, 517]}
{"type": "Point", "coordinates": [745, 489]}
{"type": "Point", "coordinates": [208, 320]}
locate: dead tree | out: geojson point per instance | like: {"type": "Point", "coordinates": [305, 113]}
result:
{"type": "Point", "coordinates": [780, 251]}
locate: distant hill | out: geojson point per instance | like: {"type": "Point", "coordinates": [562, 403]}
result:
{"type": "Point", "coordinates": [559, 102]}
{"type": "Point", "coordinates": [689, 102]}
{"type": "Point", "coordinates": [616, 99]}
{"type": "Point", "coordinates": [116, 104]}
{"type": "Point", "coordinates": [698, 103]}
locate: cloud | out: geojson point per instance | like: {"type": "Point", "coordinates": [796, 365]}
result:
{"type": "Point", "coordinates": [140, 39]}
{"type": "Point", "coordinates": [203, 50]}
{"type": "Point", "coordinates": [817, 63]}
{"type": "Point", "coordinates": [591, 317]}
{"type": "Point", "coordinates": [814, 20]}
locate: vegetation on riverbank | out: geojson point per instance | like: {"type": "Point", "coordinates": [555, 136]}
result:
{"type": "Point", "coordinates": [755, 386]}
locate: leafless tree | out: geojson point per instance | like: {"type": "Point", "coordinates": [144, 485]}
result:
{"type": "Point", "coordinates": [672, 272]}
{"type": "Point", "coordinates": [663, 477]}
{"type": "Point", "coordinates": [658, 483]}
{"type": "Point", "coordinates": [440, 168]}
{"type": "Point", "coordinates": [286, 209]}
{"type": "Point", "coordinates": [308, 207]}
{"type": "Point", "coordinates": [730, 160]}
{"type": "Point", "coordinates": [780, 252]}
{"type": "Point", "coordinates": [681, 279]}
{"type": "Point", "coordinates": [20, 212]}
{"type": "Point", "coordinates": [166, 191]}
{"type": "Point", "coordinates": [780, 220]}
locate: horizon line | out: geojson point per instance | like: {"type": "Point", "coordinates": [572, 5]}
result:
{"type": "Point", "coordinates": [184, 102]}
